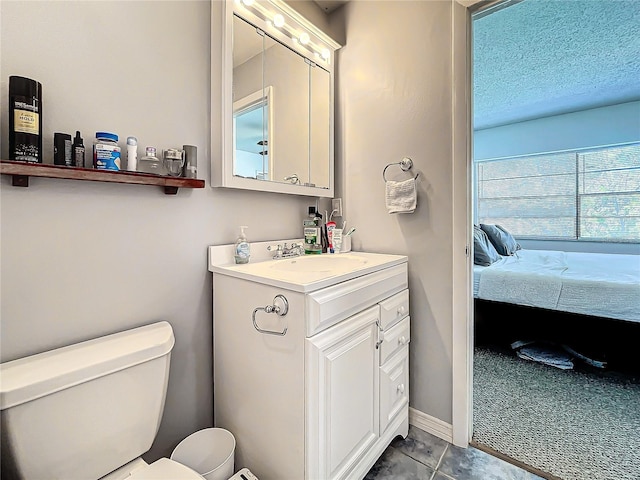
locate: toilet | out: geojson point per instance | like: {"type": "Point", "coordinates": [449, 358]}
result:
{"type": "Point", "coordinates": [89, 410]}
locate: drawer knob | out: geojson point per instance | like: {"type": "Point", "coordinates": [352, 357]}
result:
{"type": "Point", "coordinates": [401, 310]}
{"type": "Point", "coordinates": [402, 340]}
{"type": "Point", "coordinates": [401, 388]}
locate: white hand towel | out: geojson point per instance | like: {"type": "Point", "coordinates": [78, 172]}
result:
{"type": "Point", "coordinates": [401, 197]}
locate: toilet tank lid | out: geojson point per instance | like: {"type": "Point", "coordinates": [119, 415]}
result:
{"type": "Point", "coordinates": [32, 377]}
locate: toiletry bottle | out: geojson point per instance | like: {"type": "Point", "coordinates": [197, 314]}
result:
{"type": "Point", "coordinates": [242, 250]}
{"type": "Point", "coordinates": [62, 149]}
{"type": "Point", "coordinates": [132, 154]}
{"type": "Point", "coordinates": [77, 151]}
{"type": "Point", "coordinates": [25, 119]}
{"type": "Point", "coordinates": [330, 228]}
{"type": "Point", "coordinates": [311, 229]}
{"type": "Point", "coordinates": [324, 242]}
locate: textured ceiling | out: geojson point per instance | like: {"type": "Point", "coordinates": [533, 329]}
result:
{"type": "Point", "coordinates": [546, 57]}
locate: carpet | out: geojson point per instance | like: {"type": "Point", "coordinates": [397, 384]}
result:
{"type": "Point", "coordinates": [574, 424]}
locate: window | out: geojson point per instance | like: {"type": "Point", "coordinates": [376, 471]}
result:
{"type": "Point", "coordinates": [586, 195]}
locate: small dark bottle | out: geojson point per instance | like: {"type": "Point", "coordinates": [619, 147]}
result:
{"type": "Point", "coordinates": [62, 149]}
{"type": "Point", "coordinates": [78, 150]}
{"type": "Point", "coordinates": [25, 119]}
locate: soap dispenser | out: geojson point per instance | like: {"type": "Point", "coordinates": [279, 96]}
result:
{"type": "Point", "coordinates": [242, 250]}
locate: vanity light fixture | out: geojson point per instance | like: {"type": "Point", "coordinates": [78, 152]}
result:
{"type": "Point", "coordinates": [276, 14]}
{"type": "Point", "coordinates": [304, 38]}
{"type": "Point", "coordinates": [278, 20]}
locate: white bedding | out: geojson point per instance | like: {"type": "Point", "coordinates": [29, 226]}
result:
{"type": "Point", "coordinates": [599, 284]}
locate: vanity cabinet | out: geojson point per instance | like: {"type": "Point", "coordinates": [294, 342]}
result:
{"type": "Point", "coordinates": [326, 397]}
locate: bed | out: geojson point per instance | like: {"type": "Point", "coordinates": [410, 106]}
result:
{"type": "Point", "coordinates": [595, 284]}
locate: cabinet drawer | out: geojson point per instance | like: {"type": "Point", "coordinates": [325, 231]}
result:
{"type": "Point", "coordinates": [331, 305]}
{"type": "Point", "coordinates": [394, 308]}
{"type": "Point", "coordinates": [394, 339]}
{"type": "Point", "coordinates": [394, 387]}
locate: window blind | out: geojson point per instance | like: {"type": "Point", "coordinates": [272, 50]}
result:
{"type": "Point", "coordinates": [591, 195]}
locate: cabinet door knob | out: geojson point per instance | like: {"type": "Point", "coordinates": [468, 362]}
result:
{"type": "Point", "coordinates": [401, 310]}
{"type": "Point", "coordinates": [402, 340]}
{"type": "Point", "coordinates": [401, 388]}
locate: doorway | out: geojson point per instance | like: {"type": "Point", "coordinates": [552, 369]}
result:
{"type": "Point", "coordinates": [503, 115]}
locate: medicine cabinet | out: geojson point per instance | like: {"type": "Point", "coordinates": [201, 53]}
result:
{"type": "Point", "coordinates": [277, 101]}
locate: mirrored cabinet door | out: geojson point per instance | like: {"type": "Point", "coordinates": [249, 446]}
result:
{"type": "Point", "coordinates": [319, 127]}
{"type": "Point", "coordinates": [251, 103]}
{"type": "Point", "coordinates": [287, 74]}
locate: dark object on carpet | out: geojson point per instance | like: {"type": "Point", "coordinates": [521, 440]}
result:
{"type": "Point", "coordinates": [547, 353]}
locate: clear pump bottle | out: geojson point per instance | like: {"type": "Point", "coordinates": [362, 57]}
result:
{"type": "Point", "coordinates": [242, 250]}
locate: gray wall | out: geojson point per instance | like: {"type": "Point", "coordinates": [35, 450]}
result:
{"type": "Point", "coordinates": [595, 127]}
{"type": "Point", "coordinates": [395, 100]}
{"type": "Point", "coordinates": [83, 259]}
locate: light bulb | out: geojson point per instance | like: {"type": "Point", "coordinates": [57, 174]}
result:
{"type": "Point", "coordinates": [304, 38]}
{"type": "Point", "coordinates": [325, 53]}
{"type": "Point", "coordinates": [278, 20]}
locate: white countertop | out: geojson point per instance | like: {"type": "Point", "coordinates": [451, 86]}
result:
{"type": "Point", "coordinates": [306, 273]}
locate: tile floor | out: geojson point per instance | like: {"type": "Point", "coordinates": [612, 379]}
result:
{"type": "Point", "coordinates": [422, 456]}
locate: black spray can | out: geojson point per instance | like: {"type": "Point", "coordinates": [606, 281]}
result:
{"type": "Point", "coordinates": [25, 119]}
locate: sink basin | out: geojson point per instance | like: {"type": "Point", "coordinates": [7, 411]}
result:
{"type": "Point", "coordinates": [332, 264]}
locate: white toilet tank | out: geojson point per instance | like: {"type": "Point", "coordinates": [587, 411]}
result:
{"type": "Point", "coordinates": [80, 412]}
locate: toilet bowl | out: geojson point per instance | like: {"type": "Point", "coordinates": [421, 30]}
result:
{"type": "Point", "coordinates": [89, 410]}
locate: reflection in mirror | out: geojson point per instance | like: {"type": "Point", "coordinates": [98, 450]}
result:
{"type": "Point", "coordinates": [252, 137]}
{"type": "Point", "coordinates": [319, 116]}
{"type": "Point", "coordinates": [288, 73]}
{"type": "Point", "coordinates": [251, 103]}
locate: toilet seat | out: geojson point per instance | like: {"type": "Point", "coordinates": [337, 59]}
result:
{"type": "Point", "coordinates": [165, 469]}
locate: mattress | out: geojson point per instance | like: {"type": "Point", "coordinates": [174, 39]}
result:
{"type": "Point", "coordinates": [599, 284]}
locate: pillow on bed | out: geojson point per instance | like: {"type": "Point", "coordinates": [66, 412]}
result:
{"type": "Point", "coordinates": [484, 253]}
{"type": "Point", "coordinates": [502, 240]}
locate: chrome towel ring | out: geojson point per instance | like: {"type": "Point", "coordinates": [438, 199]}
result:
{"type": "Point", "coordinates": [405, 164]}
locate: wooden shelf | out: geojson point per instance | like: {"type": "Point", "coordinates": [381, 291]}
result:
{"type": "Point", "coordinates": [21, 171]}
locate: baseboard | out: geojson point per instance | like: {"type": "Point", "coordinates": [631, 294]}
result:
{"type": "Point", "coordinates": [431, 425]}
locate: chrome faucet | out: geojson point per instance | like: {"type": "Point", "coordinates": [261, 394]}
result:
{"type": "Point", "coordinates": [286, 251]}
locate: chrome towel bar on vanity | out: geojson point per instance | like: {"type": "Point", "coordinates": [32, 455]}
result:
{"type": "Point", "coordinates": [280, 307]}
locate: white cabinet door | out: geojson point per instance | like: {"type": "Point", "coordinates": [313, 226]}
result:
{"type": "Point", "coordinates": [342, 395]}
